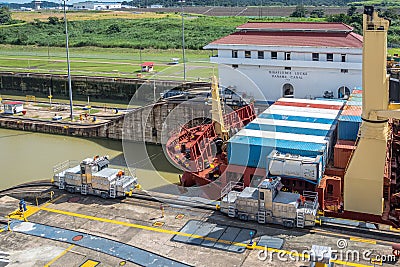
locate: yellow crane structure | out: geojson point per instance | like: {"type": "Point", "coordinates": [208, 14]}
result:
{"type": "Point", "coordinates": [364, 177]}
{"type": "Point", "coordinates": [216, 112]}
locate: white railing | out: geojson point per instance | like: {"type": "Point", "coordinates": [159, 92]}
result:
{"type": "Point", "coordinates": [230, 186]}
{"type": "Point", "coordinates": [64, 165]}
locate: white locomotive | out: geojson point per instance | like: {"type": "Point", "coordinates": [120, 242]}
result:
{"type": "Point", "coordinates": [92, 176]}
{"type": "Point", "coordinates": [267, 204]}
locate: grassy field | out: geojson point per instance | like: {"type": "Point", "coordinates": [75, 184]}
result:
{"type": "Point", "coordinates": [87, 15]}
{"type": "Point", "coordinates": [114, 62]}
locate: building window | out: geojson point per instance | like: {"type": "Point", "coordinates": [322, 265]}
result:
{"type": "Point", "coordinates": [288, 68]}
{"type": "Point", "coordinates": [235, 66]}
{"type": "Point", "coordinates": [343, 92]}
{"type": "Point", "coordinates": [287, 55]}
{"type": "Point", "coordinates": [274, 55]}
{"type": "Point", "coordinates": [260, 54]}
{"type": "Point", "coordinates": [315, 57]}
{"type": "Point", "coordinates": [247, 54]}
{"type": "Point", "coordinates": [288, 90]}
{"type": "Point", "coordinates": [329, 57]}
{"type": "Point", "coordinates": [234, 53]}
{"type": "Point", "coordinates": [261, 195]}
{"type": "Point", "coordinates": [344, 70]}
{"type": "Point", "coordinates": [343, 58]}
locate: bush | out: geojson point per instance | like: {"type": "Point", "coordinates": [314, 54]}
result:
{"type": "Point", "coordinates": [53, 20]}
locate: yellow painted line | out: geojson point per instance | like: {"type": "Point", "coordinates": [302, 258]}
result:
{"type": "Point", "coordinates": [353, 264]}
{"type": "Point", "coordinates": [59, 256]}
{"type": "Point", "coordinates": [353, 238]}
{"type": "Point", "coordinates": [90, 263]}
{"type": "Point", "coordinates": [357, 239]}
{"type": "Point", "coordinates": [30, 210]}
{"type": "Point", "coordinates": [165, 231]}
{"type": "Point", "coordinates": [394, 229]}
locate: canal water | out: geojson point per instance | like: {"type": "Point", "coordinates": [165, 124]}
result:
{"type": "Point", "coordinates": [27, 156]}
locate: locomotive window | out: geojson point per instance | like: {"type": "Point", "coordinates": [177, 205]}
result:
{"type": "Point", "coordinates": [261, 195]}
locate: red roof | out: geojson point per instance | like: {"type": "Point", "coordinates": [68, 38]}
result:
{"type": "Point", "coordinates": [147, 64]}
{"type": "Point", "coordinates": [13, 103]}
{"type": "Point", "coordinates": [296, 26]}
{"type": "Point", "coordinates": [275, 38]}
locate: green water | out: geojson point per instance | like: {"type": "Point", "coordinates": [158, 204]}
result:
{"type": "Point", "coordinates": [27, 156]}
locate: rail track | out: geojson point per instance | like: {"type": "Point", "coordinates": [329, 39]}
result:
{"type": "Point", "coordinates": [377, 236]}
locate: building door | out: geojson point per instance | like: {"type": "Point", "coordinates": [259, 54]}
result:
{"type": "Point", "coordinates": [288, 90]}
{"type": "Point", "coordinates": [343, 91]}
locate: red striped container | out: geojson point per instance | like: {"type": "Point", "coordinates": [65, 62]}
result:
{"type": "Point", "coordinates": [352, 112]}
{"type": "Point", "coordinates": [308, 105]}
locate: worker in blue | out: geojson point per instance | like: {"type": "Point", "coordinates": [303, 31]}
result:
{"type": "Point", "coordinates": [22, 205]}
{"type": "Point", "coordinates": [251, 237]}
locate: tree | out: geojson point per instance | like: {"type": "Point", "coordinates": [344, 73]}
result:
{"type": "Point", "coordinates": [53, 20]}
{"type": "Point", "coordinates": [299, 12]}
{"type": "Point", "coordinates": [5, 15]}
{"type": "Point", "coordinates": [113, 28]}
{"type": "Point", "coordinates": [317, 13]}
{"type": "Point", "coordinates": [351, 11]}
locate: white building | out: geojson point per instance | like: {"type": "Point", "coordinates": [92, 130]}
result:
{"type": "Point", "coordinates": [290, 59]}
{"type": "Point", "coordinates": [89, 5]}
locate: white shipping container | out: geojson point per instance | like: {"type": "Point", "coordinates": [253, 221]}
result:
{"type": "Point", "coordinates": [297, 124]}
{"type": "Point", "coordinates": [283, 136]}
{"type": "Point", "coordinates": [295, 166]}
{"type": "Point", "coordinates": [300, 112]}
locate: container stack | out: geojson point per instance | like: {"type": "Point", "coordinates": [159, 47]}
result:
{"type": "Point", "coordinates": [348, 125]}
{"type": "Point", "coordinates": [299, 127]}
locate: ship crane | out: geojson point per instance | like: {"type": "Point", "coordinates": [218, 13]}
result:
{"type": "Point", "coordinates": [364, 178]}
{"type": "Point", "coordinates": [216, 111]}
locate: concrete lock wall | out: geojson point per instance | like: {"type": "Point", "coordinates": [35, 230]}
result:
{"type": "Point", "coordinates": [83, 86]}
{"type": "Point", "coordinates": [137, 127]}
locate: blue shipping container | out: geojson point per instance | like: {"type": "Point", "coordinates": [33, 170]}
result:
{"type": "Point", "coordinates": [253, 151]}
{"type": "Point", "coordinates": [354, 103]}
{"type": "Point", "coordinates": [348, 127]}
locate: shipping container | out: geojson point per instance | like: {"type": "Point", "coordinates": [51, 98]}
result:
{"type": "Point", "coordinates": [299, 112]}
{"type": "Point", "coordinates": [287, 129]}
{"type": "Point", "coordinates": [253, 151]}
{"type": "Point", "coordinates": [337, 102]}
{"type": "Point", "coordinates": [348, 127]}
{"type": "Point", "coordinates": [342, 153]}
{"type": "Point", "coordinates": [302, 109]}
{"type": "Point", "coordinates": [308, 105]}
{"type": "Point", "coordinates": [355, 98]}
{"type": "Point", "coordinates": [282, 136]}
{"type": "Point", "coordinates": [305, 118]}
{"type": "Point", "coordinates": [330, 99]}
{"type": "Point", "coordinates": [352, 111]}
{"type": "Point", "coordinates": [298, 124]}
{"type": "Point", "coordinates": [354, 103]}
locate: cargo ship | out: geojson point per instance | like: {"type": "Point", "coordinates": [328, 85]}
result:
{"type": "Point", "coordinates": [345, 151]}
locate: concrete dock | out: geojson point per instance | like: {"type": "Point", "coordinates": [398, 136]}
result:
{"type": "Point", "coordinates": [58, 233]}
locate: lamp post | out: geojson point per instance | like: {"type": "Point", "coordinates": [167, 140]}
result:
{"type": "Point", "coordinates": [183, 41]}
{"type": "Point", "coordinates": [68, 63]}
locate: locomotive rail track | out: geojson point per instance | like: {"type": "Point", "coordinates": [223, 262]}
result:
{"type": "Point", "coordinates": [152, 200]}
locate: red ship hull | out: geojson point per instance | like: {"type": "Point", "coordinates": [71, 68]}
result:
{"type": "Point", "coordinates": [192, 149]}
